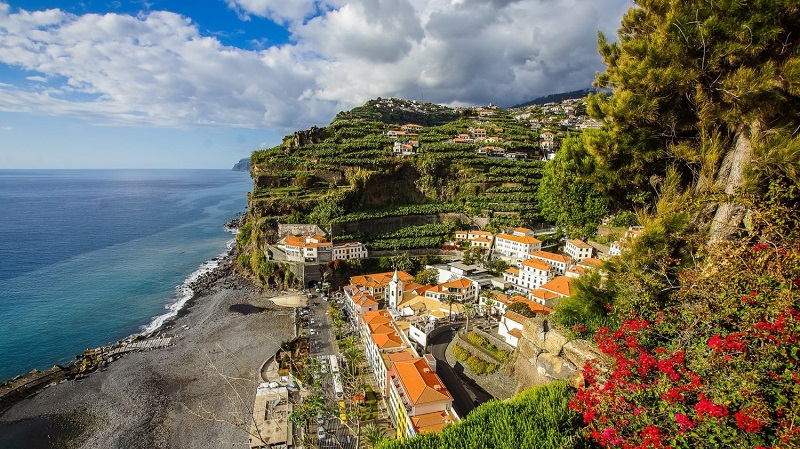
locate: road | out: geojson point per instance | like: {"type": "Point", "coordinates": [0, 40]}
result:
{"type": "Point", "coordinates": [465, 396]}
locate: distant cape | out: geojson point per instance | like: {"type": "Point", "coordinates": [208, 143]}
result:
{"type": "Point", "coordinates": [242, 165]}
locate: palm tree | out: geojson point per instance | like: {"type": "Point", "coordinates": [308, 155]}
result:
{"type": "Point", "coordinates": [469, 311]}
{"type": "Point", "coordinates": [354, 356]}
{"type": "Point", "coordinates": [373, 434]}
{"type": "Point", "coordinates": [450, 300]}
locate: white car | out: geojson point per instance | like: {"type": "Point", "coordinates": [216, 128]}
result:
{"type": "Point", "coordinates": [321, 433]}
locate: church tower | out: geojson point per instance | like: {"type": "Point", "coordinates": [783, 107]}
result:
{"type": "Point", "coordinates": [395, 291]}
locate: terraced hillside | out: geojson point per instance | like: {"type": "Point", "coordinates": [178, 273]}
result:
{"type": "Point", "coordinates": [351, 170]}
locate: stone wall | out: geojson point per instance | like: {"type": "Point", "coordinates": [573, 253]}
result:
{"type": "Point", "coordinates": [545, 354]}
{"type": "Point", "coordinates": [299, 229]}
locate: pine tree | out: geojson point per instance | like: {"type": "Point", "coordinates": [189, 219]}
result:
{"type": "Point", "coordinates": [711, 87]}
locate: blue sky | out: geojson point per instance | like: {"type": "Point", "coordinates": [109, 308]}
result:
{"type": "Point", "coordinates": [200, 84]}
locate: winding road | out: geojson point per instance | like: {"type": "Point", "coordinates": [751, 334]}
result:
{"type": "Point", "coordinates": [465, 396]}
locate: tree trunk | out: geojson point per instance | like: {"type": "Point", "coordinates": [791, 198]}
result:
{"type": "Point", "coordinates": [730, 178]}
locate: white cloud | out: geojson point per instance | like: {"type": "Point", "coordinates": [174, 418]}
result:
{"type": "Point", "coordinates": [158, 69]}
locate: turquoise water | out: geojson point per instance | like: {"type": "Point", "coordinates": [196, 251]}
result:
{"type": "Point", "coordinates": [93, 256]}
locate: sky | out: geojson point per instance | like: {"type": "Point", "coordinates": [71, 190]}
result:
{"type": "Point", "coordinates": [203, 83]}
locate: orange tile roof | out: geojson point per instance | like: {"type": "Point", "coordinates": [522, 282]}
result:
{"type": "Point", "coordinates": [559, 285]}
{"type": "Point", "coordinates": [379, 279]}
{"type": "Point", "coordinates": [458, 283]}
{"type": "Point", "coordinates": [522, 230]}
{"type": "Point", "coordinates": [591, 262]}
{"type": "Point", "coordinates": [516, 332]}
{"type": "Point", "coordinates": [577, 269]}
{"type": "Point", "coordinates": [387, 340]}
{"type": "Point", "coordinates": [579, 243]}
{"type": "Point", "coordinates": [537, 264]}
{"type": "Point", "coordinates": [514, 316]}
{"type": "Point", "coordinates": [528, 240]}
{"type": "Point", "coordinates": [551, 256]}
{"type": "Point", "coordinates": [420, 382]}
{"type": "Point", "coordinates": [502, 297]}
{"type": "Point", "coordinates": [514, 271]}
{"type": "Point", "coordinates": [377, 317]}
{"type": "Point", "coordinates": [432, 422]}
{"type": "Point", "coordinates": [544, 295]}
{"type": "Point", "coordinates": [481, 240]}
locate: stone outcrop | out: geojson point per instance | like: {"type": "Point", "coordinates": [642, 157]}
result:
{"type": "Point", "coordinates": [544, 354]}
{"type": "Point", "coordinates": [303, 138]}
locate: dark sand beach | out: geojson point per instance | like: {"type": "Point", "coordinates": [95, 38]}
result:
{"type": "Point", "coordinates": [195, 393]}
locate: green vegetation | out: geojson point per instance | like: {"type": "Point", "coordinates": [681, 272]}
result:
{"type": "Point", "coordinates": [536, 418]}
{"type": "Point", "coordinates": [473, 362]}
{"type": "Point", "coordinates": [482, 342]}
{"type": "Point", "coordinates": [699, 317]}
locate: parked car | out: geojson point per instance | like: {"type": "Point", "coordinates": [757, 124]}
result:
{"type": "Point", "coordinates": [321, 433]}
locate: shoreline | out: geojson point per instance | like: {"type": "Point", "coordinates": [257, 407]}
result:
{"type": "Point", "coordinates": [194, 285]}
{"type": "Point", "coordinates": [164, 397]}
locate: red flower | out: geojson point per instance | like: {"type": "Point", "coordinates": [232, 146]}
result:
{"type": "Point", "coordinates": [683, 421]}
{"type": "Point", "coordinates": [747, 423]}
{"type": "Point", "coordinates": [715, 342]}
{"type": "Point", "coordinates": [760, 246]}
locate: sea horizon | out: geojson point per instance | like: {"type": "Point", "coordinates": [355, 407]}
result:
{"type": "Point", "coordinates": [93, 256]}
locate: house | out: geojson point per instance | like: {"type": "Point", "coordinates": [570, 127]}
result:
{"type": "Point", "coordinates": [395, 133]}
{"type": "Point", "coordinates": [358, 301]}
{"type": "Point", "coordinates": [558, 262]}
{"type": "Point", "coordinates": [478, 133]}
{"type": "Point", "coordinates": [376, 283]}
{"type": "Point", "coordinates": [461, 290]}
{"type": "Point", "coordinates": [577, 249]}
{"type": "Point", "coordinates": [510, 327]}
{"type": "Point", "coordinates": [533, 273]}
{"type": "Point", "coordinates": [380, 336]}
{"type": "Point", "coordinates": [417, 400]}
{"type": "Point", "coordinates": [481, 239]}
{"type": "Point", "coordinates": [349, 250]}
{"type": "Point", "coordinates": [631, 234]}
{"type": "Point", "coordinates": [516, 246]}
{"type": "Point", "coordinates": [411, 127]}
{"type": "Point", "coordinates": [403, 148]}
{"type": "Point", "coordinates": [500, 302]}
{"type": "Point", "coordinates": [591, 263]}
{"type": "Point", "coordinates": [270, 426]}
{"type": "Point", "coordinates": [306, 248]}
{"type": "Point", "coordinates": [551, 292]}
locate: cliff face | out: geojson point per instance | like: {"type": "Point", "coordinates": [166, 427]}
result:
{"type": "Point", "coordinates": [545, 354]}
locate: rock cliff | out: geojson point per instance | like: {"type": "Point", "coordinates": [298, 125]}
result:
{"type": "Point", "coordinates": [545, 354]}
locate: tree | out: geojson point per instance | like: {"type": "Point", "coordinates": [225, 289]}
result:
{"type": "Point", "coordinates": [450, 300]}
{"type": "Point", "coordinates": [354, 357]}
{"type": "Point", "coordinates": [521, 308]}
{"type": "Point", "coordinates": [566, 194]}
{"type": "Point", "coordinates": [428, 276]}
{"type": "Point", "coordinates": [469, 312]}
{"type": "Point", "coordinates": [373, 434]}
{"type": "Point", "coordinates": [711, 87]}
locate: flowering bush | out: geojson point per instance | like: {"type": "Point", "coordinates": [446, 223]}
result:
{"type": "Point", "coordinates": [717, 367]}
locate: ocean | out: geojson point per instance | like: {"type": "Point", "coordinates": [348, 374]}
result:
{"type": "Point", "coordinates": [89, 257]}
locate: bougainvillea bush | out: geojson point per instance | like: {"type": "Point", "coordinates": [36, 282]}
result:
{"type": "Point", "coordinates": [712, 361]}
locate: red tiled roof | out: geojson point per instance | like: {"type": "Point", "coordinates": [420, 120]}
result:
{"type": "Point", "coordinates": [551, 256]}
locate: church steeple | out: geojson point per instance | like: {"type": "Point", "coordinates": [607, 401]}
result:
{"type": "Point", "coordinates": [395, 291]}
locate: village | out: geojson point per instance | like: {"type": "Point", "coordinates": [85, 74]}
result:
{"type": "Point", "coordinates": [380, 344]}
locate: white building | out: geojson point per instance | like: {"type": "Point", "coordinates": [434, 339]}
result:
{"type": "Point", "coordinates": [558, 262]}
{"type": "Point", "coordinates": [349, 250]}
{"type": "Point", "coordinates": [577, 249]}
{"type": "Point", "coordinates": [510, 327]}
{"type": "Point", "coordinates": [516, 246]}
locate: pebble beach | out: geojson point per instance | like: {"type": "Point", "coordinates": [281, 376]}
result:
{"type": "Point", "coordinates": [195, 393]}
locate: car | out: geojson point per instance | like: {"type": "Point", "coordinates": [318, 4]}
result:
{"type": "Point", "coordinates": [317, 290]}
{"type": "Point", "coordinates": [321, 433]}
{"type": "Point", "coordinates": [320, 419]}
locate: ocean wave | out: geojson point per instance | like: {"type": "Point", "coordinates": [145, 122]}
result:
{"type": "Point", "coordinates": [184, 292]}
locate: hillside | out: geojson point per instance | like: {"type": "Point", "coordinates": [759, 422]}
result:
{"type": "Point", "coordinates": [353, 170]}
